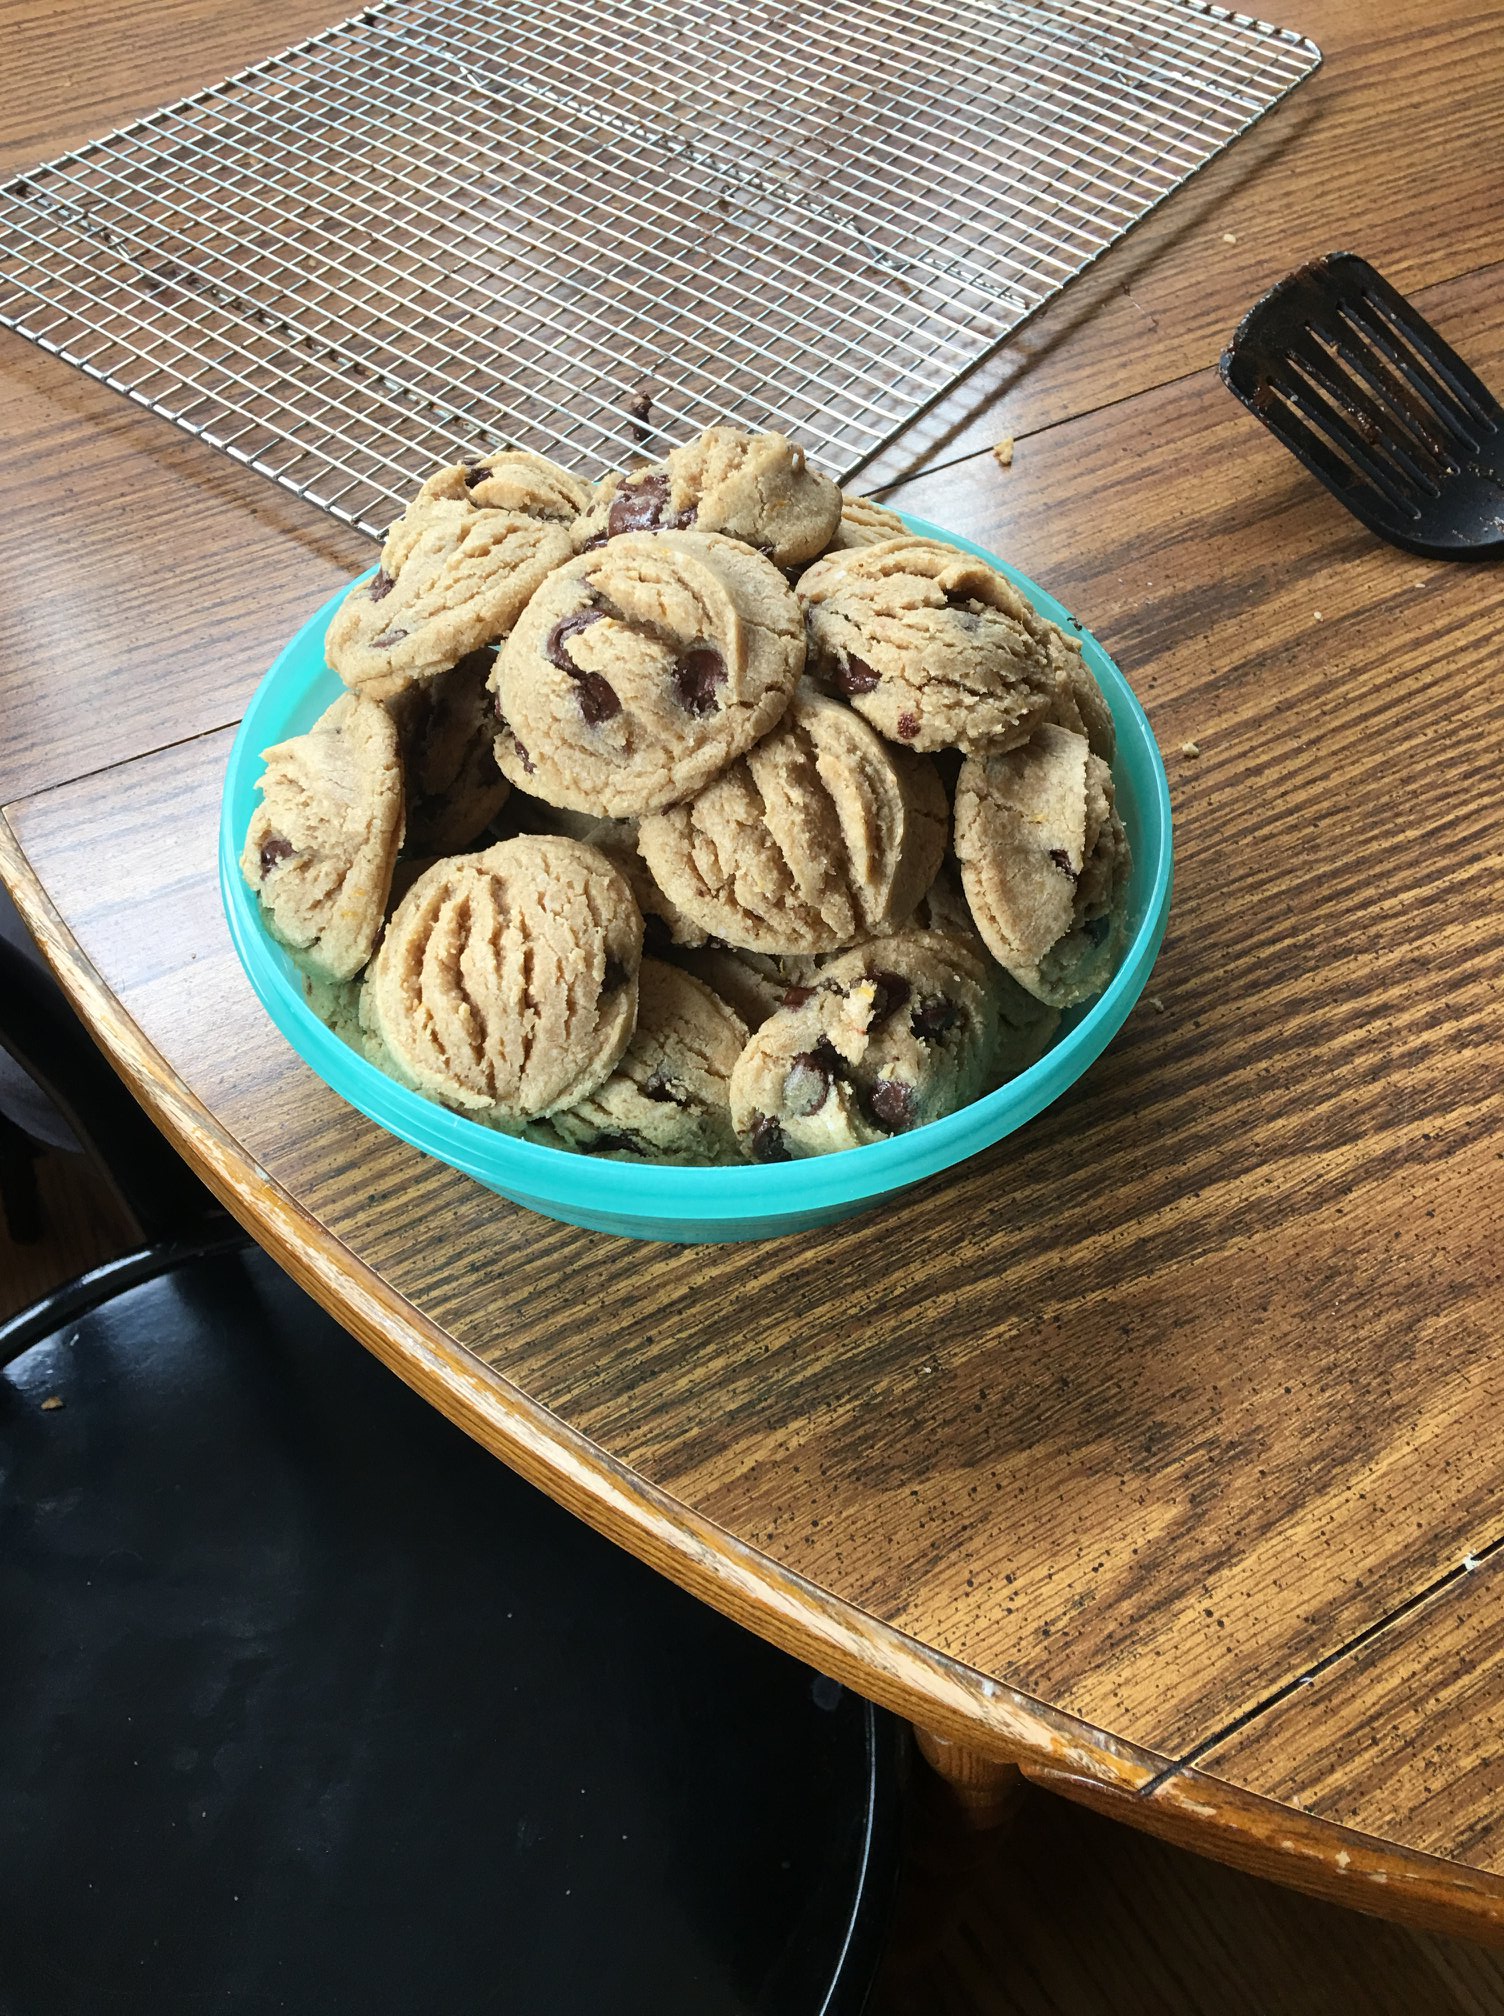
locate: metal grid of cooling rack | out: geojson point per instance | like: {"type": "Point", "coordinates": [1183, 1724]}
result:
{"type": "Point", "coordinates": [592, 227]}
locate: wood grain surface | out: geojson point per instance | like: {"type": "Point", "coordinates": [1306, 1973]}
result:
{"type": "Point", "coordinates": [1095, 1451]}
{"type": "Point", "coordinates": [1061, 1913]}
{"type": "Point", "coordinates": [1392, 149]}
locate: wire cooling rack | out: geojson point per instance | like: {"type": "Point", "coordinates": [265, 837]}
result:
{"type": "Point", "coordinates": [592, 227]}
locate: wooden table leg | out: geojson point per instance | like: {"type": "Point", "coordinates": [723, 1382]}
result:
{"type": "Point", "coordinates": [984, 1791]}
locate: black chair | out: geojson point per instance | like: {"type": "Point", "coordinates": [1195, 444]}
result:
{"type": "Point", "coordinates": [307, 1704]}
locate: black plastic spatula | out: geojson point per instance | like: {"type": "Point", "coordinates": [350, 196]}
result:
{"type": "Point", "coordinates": [1341, 369]}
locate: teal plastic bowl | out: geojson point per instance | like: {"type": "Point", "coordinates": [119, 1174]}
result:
{"type": "Point", "coordinates": [641, 1201]}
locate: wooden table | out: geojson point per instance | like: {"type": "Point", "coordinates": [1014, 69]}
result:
{"type": "Point", "coordinates": [1157, 1450]}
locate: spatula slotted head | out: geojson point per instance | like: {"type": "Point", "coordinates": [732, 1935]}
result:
{"type": "Point", "coordinates": [1362, 390]}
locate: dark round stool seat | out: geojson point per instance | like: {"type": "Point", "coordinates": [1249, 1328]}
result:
{"type": "Point", "coordinates": [307, 1704]}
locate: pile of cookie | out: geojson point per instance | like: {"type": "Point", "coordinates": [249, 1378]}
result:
{"type": "Point", "coordinates": [849, 789]}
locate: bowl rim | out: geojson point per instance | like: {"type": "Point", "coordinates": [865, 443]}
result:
{"type": "Point", "coordinates": [640, 1190]}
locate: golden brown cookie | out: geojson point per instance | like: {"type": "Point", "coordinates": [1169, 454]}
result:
{"type": "Point", "coordinates": [641, 670]}
{"type": "Point", "coordinates": [820, 835]}
{"type": "Point", "coordinates": [753, 983]}
{"type": "Point", "coordinates": [456, 571]}
{"type": "Point", "coordinates": [507, 479]}
{"type": "Point", "coordinates": [1080, 704]}
{"type": "Point", "coordinates": [1045, 863]}
{"type": "Point", "coordinates": [887, 1037]}
{"type": "Point", "coordinates": [668, 1100]}
{"type": "Point", "coordinates": [754, 487]}
{"type": "Point", "coordinates": [863, 523]}
{"type": "Point", "coordinates": [506, 984]}
{"type": "Point", "coordinates": [321, 844]}
{"type": "Point", "coordinates": [664, 922]}
{"type": "Point", "coordinates": [935, 648]}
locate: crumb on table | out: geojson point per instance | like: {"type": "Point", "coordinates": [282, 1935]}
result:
{"type": "Point", "coordinates": [1002, 454]}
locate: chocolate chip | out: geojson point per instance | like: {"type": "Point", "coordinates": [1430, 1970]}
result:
{"type": "Point", "coordinates": [273, 850]}
{"type": "Point", "coordinates": [616, 975]}
{"type": "Point", "coordinates": [807, 1086]}
{"type": "Point", "coordinates": [889, 992]}
{"type": "Point", "coordinates": [1062, 861]}
{"type": "Point", "coordinates": [908, 725]}
{"type": "Point", "coordinates": [856, 676]}
{"type": "Point", "coordinates": [665, 1090]}
{"type": "Point", "coordinates": [476, 473]}
{"type": "Point", "coordinates": [933, 1016]}
{"type": "Point", "coordinates": [522, 756]}
{"type": "Point", "coordinates": [768, 1144]}
{"type": "Point", "coordinates": [698, 678]}
{"type": "Point", "coordinates": [1097, 928]}
{"type": "Point", "coordinates": [891, 1104]}
{"type": "Point", "coordinates": [567, 627]}
{"type": "Point", "coordinates": [382, 584]}
{"type": "Point", "coordinates": [639, 504]}
{"type": "Point", "coordinates": [797, 996]}
{"type": "Point", "coordinates": [597, 697]}
{"type": "Point", "coordinates": [387, 639]}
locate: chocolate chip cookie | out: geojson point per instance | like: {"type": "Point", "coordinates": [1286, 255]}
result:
{"type": "Point", "coordinates": [506, 984]}
{"type": "Point", "coordinates": [456, 572]}
{"type": "Point", "coordinates": [321, 845]}
{"type": "Point", "coordinates": [640, 671]}
{"type": "Point", "coordinates": [664, 923]}
{"type": "Point", "coordinates": [506, 479]}
{"type": "Point", "coordinates": [863, 523]}
{"type": "Point", "coordinates": [1080, 704]}
{"type": "Point", "coordinates": [818, 836]}
{"type": "Point", "coordinates": [753, 983]}
{"type": "Point", "coordinates": [1045, 863]}
{"type": "Point", "coordinates": [934, 647]}
{"type": "Point", "coordinates": [669, 1099]}
{"type": "Point", "coordinates": [754, 487]}
{"type": "Point", "coordinates": [888, 1036]}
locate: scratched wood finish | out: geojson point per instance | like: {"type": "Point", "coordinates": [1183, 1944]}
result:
{"type": "Point", "coordinates": [140, 555]}
{"type": "Point", "coordinates": [1062, 1914]}
{"type": "Point", "coordinates": [1093, 1449]}
{"type": "Point", "coordinates": [75, 70]}
{"type": "Point", "coordinates": [238, 561]}
{"type": "Point", "coordinates": [1088, 1766]}
{"type": "Point", "coordinates": [1442, 1752]}
{"type": "Point", "coordinates": [1066, 1458]}
{"type": "Point", "coordinates": [147, 581]}
{"type": "Point", "coordinates": [1395, 148]}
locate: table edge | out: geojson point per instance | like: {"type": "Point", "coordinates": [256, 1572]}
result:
{"type": "Point", "coordinates": [1055, 1749]}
